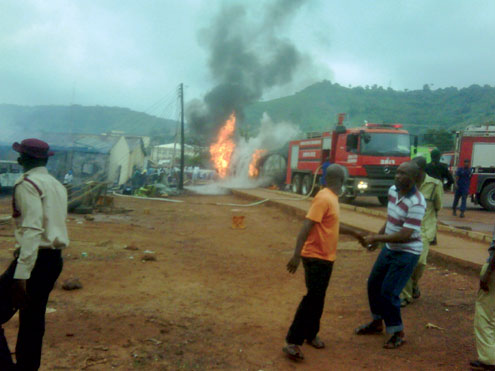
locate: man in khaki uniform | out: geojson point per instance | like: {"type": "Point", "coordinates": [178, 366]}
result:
{"type": "Point", "coordinates": [484, 316]}
{"type": "Point", "coordinates": [39, 211]}
{"type": "Point", "coordinates": [432, 190]}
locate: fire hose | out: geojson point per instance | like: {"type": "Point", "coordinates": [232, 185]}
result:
{"type": "Point", "coordinates": [278, 199]}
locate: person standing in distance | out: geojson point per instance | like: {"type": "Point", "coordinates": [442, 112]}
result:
{"type": "Point", "coordinates": [40, 212]}
{"type": "Point", "coordinates": [438, 170]}
{"type": "Point", "coordinates": [432, 191]}
{"type": "Point", "coordinates": [316, 246]}
{"type": "Point", "coordinates": [462, 181]}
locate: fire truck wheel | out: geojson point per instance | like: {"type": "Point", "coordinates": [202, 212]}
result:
{"type": "Point", "coordinates": [296, 183]}
{"type": "Point", "coordinates": [487, 199]}
{"type": "Point", "coordinates": [383, 200]}
{"type": "Point", "coordinates": [306, 185]}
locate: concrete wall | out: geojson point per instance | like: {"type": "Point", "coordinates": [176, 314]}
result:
{"type": "Point", "coordinates": [118, 168]}
{"type": "Point", "coordinates": [136, 159]}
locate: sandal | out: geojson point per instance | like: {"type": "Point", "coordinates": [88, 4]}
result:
{"type": "Point", "coordinates": [369, 329]}
{"type": "Point", "coordinates": [293, 352]}
{"type": "Point", "coordinates": [316, 343]}
{"type": "Point", "coordinates": [394, 342]}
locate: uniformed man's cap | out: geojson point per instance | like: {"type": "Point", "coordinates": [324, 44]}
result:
{"type": "Point", "coordinates": [33, 147]}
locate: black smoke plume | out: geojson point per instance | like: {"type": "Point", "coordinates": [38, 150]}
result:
{"type": "Point", "coordinates": [247, 55]}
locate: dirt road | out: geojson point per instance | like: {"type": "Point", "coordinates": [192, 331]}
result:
{"type": "Point", "coordinates": [218, 298]}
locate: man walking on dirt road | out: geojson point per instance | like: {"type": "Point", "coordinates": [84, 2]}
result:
{"type": "Point", "coordinates": [397, 260]}
{"type": "Point", "coordinates": [432, 190]}
{"type": "Point", "coordinates": [39, 211]}
{"type": "Point", "coordinates": [484, 315]}
{"type": "Point", "coordinates": [316, 246]}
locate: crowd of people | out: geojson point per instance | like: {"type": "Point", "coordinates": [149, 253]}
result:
{"type": "Point", "coordinates": [40, 212]}
{"type": "Point", "coordinates": [413, 204]}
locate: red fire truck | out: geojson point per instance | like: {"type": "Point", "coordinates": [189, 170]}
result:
{"type": "Point", "coordinates": [371, 155]}
{"type": "Point", "coordinates": [477, 144]}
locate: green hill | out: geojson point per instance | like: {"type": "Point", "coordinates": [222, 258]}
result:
{"type": "Point", "coordinates": [79, 119]}
{"type": "Point", "coordinates": [317, 106]}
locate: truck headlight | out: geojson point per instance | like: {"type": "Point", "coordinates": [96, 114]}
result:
{"type": "Point", "coordinates": [362, 185]}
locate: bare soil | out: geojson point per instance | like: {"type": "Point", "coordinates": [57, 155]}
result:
{"type": "Point", "coordinates": [220, 298]}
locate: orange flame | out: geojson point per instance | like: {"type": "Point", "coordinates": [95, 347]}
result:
{"type": "Point", "coordinates": [221, 150]}
{"type": "Point", "coordinates": [253, 170]}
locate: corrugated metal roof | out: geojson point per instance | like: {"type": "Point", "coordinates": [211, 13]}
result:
{"type": "Point", "coordinates": [80, 142]}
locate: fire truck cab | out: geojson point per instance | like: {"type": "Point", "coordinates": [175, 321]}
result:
{"type": "Point", "coordinates": [371, 154]}
{"type": "Point", "coordinates": [477, 144]}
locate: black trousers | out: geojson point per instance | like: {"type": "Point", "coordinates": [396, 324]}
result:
{"type": "Point", "coordinates": [32, 318]}
{"type": "Point", "coordinates": [306, 323]}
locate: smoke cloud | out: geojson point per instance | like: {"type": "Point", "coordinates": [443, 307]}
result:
{"type": "Point", "coordinates": [271, 137]}
{"type": "Point", "coordinates": [246, 57]}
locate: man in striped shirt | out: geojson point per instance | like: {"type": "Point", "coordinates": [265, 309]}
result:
{"type": "Point", "coordinates": [395, 264]}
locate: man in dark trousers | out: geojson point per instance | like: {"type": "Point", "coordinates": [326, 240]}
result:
{"type": "Point", "coordinates": [317, 247]}
{"type": "Point", "coordinates": [439, 171]}
{"type": "Point", "coordinates": [397, 260]}
{"type": "Point", "coordinates": [39, 211]}
{"type": "Point", "coordinates": [462, 181]}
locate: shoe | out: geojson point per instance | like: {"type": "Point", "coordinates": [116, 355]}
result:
{"type": "Point", "coordinates": [454, 212]}
{"type": "Point", "coordinates": [293, 352]}
{"type": "Point", "coordinates": [370, 328]}
{"type": "Point", "coordinates": [416, 293]}
{"type": "Point", "coordinates": [481, 365]}
{"type": "Point", "coordinates": [317, 343]}
{"type": "Point", "coordinates": [462, 214]}
{"type": "Point", "coordinates": [394, 342]}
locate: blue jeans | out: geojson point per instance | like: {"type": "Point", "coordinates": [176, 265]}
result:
{"type": "Point", "coordinates": [388, 277]}
{"type": "Point", "coordinates": [460, 195]}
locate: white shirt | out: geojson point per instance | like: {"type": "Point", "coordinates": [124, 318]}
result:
{"type": "Point", "coordinates": [42, 203]}
{"type": "Point", "coordinates": [68, 178]}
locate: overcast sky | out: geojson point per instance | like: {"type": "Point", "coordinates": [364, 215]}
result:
{"type": "Point", "coordinates": [134, 53]}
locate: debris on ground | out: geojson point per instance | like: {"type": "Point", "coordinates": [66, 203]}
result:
{"type": "Point", "coordinates": [131, 247]}
{"type": "Point", "coordinates": [89, 217]}
{"type": "Point", "coordinates": [156, 190]}
{"type": "Point", "coordinates": [432, 326]}
{"type": "Point", "coordinates": [148, 258]}
{"type": "Point", "coordinates": [72, 284]}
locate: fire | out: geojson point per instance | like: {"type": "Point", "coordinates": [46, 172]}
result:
{"type": "Point", "coordinates": [253, 170]}
{"type": "Point", "coordinates": [221, 150]}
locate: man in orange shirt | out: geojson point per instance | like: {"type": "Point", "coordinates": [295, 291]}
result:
{"type": "Point", "coordinates": [317, 247]}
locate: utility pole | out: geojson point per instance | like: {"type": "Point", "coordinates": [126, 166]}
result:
{"type": "Point", "coordinates": [181, 95]}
